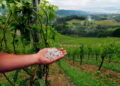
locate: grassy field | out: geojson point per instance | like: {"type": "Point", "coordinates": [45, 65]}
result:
{"type": "Point", "coordinates": [102, 22]}
{"type": "Point", "coordinates": [108, 23]}
{"type": "Point", "coordinates": [67, 40]}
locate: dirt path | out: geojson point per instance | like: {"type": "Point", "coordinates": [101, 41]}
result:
{"type": "Point", "coordinates": [58, 78]}
{"type": "Point", "coordinates": [93, 68]}
{"type": "Point", "coordinates": [118, 64]}
{"type": "Point", "coordinates": [107, 62]}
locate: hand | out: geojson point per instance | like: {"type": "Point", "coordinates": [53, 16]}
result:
{"type": "Point", "coordinates": [41, 59]}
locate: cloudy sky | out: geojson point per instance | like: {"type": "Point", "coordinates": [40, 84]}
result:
{"type": "Point", "coordinates": [111, 6]}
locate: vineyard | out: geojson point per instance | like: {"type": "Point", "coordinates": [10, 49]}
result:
{"type": "Point", "coordinates": [26, 26]}
{"type": "Point", "coordinates": [91, 61]}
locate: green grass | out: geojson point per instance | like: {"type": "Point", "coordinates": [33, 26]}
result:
{"type": "Point", "coordinates": [105, 65]}
{"type": "Point", "coordinates": [90, 41]}
{"type": "Point", "coordinates": [80, 78]}
{"type": "Point", "coordinates": [83, 78]}
{"type": "Point", "coordinates": [74, 21]}
{"type": "Point", "coordinates": [108, 23]}
{"type": "Point", "coordinates": [102, 22]}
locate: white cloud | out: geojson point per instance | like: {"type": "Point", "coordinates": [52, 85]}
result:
{"type": "Point", "coordinates": [69, 4]}
{"type": "Point", "coordinates": [88, 5]}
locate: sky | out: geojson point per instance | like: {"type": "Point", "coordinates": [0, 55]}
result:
{"type": "Point", "coordinates": [105, 6]}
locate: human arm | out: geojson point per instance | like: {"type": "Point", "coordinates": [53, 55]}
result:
{"type": "Point", "coordinates": [9, 62]}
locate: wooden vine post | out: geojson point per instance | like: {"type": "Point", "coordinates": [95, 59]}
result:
{"type": "Point", "coordinates": [35, 35]}
{"type": "Point", "coordinates": [40, 69]}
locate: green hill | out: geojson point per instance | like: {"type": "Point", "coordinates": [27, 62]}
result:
{"type": "Point", "coordinates": [71, 12]}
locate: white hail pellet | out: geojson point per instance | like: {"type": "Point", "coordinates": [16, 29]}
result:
{"type": "Point", "coordinates": [53, 53]}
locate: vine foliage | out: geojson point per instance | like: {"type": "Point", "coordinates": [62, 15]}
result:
{"type": "Point", "coordinates": [26, 27]}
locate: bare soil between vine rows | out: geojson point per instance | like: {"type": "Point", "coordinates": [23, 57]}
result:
{"type": "Point", "coordinates": [93, 68]}
{"type": "Point", "coordinates": [58, 78]}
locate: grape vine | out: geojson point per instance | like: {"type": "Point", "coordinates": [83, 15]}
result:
{"type": "Point", "coordinates": [26, 28]}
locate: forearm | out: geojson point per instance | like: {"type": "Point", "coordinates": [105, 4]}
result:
{"type": "Point", "coordinates": [10, 62]}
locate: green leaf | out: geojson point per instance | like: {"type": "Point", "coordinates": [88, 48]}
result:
{"type": "Point", "coordinates": [36, 83]}
{"type": "Point", "coordinates": [51, 16]}
{"type": "Point", "coordinates": [1, 1]}
{"type": "Point", "coordinates": [42, 82]}
{"type": "Point", "coordinates": [40, 72]}
{"type": "Point", "coordinates": [3, 6]}
{"type": "Point", "coordinates": [15, 77]}
{"type": "Point", "coordinates": [24, 82]}
{"type": "Point", "coordinates": [18, 4]}
{"type": "Point", "coordinates": [35, 28]}
{"type": "Point", "coordinates": [39, 82]}
{"type": "Point", "coordinates": [9, 1]}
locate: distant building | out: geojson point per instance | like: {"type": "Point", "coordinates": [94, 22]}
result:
{"type": "Point", "coordinates": [82, 23]}
{"type": "Point", "coordinates": [89, 18]}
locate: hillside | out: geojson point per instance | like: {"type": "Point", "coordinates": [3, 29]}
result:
{"type": "Point", "coordinates": [71, 12]}
{"type": "Point", "coordinates": [69, 25]}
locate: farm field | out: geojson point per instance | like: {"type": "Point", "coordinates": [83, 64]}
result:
{"type": "Point", "coordinates": [87, 73]}
{"type": "Point", "coordinates": [102, 22]}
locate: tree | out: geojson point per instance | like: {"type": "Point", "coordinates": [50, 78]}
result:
{"type": "Point", "coordinates": [116, 33]}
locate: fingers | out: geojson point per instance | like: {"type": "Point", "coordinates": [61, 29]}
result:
{"type": "Point", "coordinates": [61, 49]}
{"type": "Point", "coordinates": [64, 52]}
{"type": "Point", "coordinates": [49, 61]}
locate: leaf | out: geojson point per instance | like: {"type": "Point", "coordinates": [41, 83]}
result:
{"type": "Point", "coordinates": [51, 16]}
{"type": "Point", "coordinates": [1, 1]}
{"type": "Point", "coordinates": [35, 28]}
{"type": "Point", "coordinates": [18, 4]}
{"type": "Point", "coordinates": [40, 72]}
{"type": "Point", "coordinates": [24, 82]}
{"type": "Point", "coordinates": [39, 82]}
{"type": "Point", "coordinates": [9, 1]}
{"type": "Point", "coordinates": [3, 6]}
{"type": "Point", "coordinates": [15, 77]}
{"type": "Point", "coordinates": [42, 82]}
{"type": "Point", "coordinates": [36, 83]}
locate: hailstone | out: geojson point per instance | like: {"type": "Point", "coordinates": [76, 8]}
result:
{"type": "Point", "coordinates": [53, 53]}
